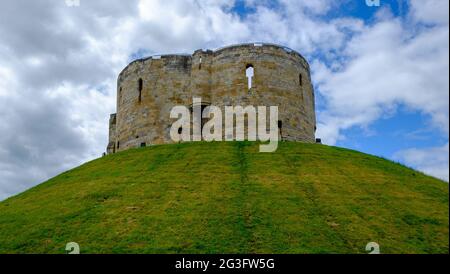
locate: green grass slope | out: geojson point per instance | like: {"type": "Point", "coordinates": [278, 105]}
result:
{"type": "Point", "coordinates": [229, 198]}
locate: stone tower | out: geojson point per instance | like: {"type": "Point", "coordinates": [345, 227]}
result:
{"type": "Point", "coordinates": [246, 74]}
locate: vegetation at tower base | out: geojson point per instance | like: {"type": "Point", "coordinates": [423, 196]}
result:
{"type": "Point", "coordinates": [228, 198]}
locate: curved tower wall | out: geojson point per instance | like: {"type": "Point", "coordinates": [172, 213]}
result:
{"type": "Point", "coordinates": [147, 89]}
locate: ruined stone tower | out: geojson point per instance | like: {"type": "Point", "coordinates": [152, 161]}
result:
{"type": "Point", "coordinates": [246, 74]}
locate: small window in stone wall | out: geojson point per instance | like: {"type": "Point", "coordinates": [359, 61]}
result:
{"type": "Point", "coordinates": [300, 79]}
{"type": "Point", "coordinates": [143, 144]}
{"type": "Point", "coordinates": [140, 86]}
{"type": "Point", "coordinates": [280, 128]}
{"type": "Point", "coordinates": [118, 144]}
{"type": "Point", "coordinates": [249, 73]}
{"type": "Point", "coordinates": [180, 130]}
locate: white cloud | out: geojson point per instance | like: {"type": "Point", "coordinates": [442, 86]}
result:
{"type": "Point", "coordinates": [430, 11]}
{"type": "Point", "coordinates": [433, 161]}
{"type": "Point", "coordinates": [386, 64]}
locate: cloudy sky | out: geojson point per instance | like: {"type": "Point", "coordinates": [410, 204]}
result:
{"type": "Point", "coordinates": [381, 73]}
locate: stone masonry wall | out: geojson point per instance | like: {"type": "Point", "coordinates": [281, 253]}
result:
{"type": "Point", "coordinates": [147, 89]}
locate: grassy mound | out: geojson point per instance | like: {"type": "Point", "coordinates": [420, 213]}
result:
{"type": "Point", "coordinates": [229, 198]}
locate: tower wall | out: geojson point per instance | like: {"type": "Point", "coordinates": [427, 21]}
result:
{"type": "Point", "coordinates": [149, 88]}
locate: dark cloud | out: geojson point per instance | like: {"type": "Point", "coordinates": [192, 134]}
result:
{"type": "Point", "coordinates": [47, 49]}
{"type": "Point", "coordinates": [38, 140]}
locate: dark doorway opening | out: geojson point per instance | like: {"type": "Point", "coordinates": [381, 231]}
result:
{"type": "Point", "coordinates": [280, 128]}
{"type": "Point", "coordinates": [203, 120]}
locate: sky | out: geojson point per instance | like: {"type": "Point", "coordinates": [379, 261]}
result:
{"type": "Point", "coordinates": [380, 73]}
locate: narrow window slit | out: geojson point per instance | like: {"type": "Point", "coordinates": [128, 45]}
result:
{"type": "Point", "coordinates": [249, 73]}
{"type": "Point", "coordinates": [140, 86]}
